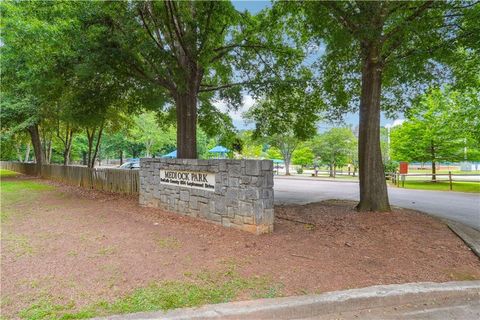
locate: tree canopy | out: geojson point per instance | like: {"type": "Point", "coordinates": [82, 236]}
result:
{"type": "Point", "coordinates": [433, 132]}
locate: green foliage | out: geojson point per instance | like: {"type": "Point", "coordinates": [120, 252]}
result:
{"type": "Point", "coordinates": [335, 146]}
{"type": "Point", "coordinates": [390, 166]}
{"type": "Point", "coordinates": [252, 148]}
{"type": "Point", "coordinates": [303, 156]}
{"type": "Point", "coordinates": [147, 131]}
{"type": "Point", "coordinates": [434, 131]}
{"type": "Point", "coordinates": [284, 119]}
{"type": "Point", "coordinates": [274, 153]}
{"type": "Point", "coordinates": [415, 46]}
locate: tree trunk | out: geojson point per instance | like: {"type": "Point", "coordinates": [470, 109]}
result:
{"type": "Point", "coordinates": [434, 171]}
{"type": "Point", "coordinates": [121, 157]}
{"type": "Point", "coordinates": [68, 147]}
{"type": "Point", "coordinates": [434, 168]}
{"type": "Point", "coordinates": [47, 146]}
{"type": "Point", "coordinates": [331, 170]}
{"type": "Point", "coordinates": [97, 144]}
{"type": "Point", "coordinates": [27, 153]}
{"type": "Point", "coordinates": [67, 144]}
{"type": "Point", "coordinates": [17, 150]}
{"type": "Point", "coordinates": [147, 149]}
{"type": "Point", "coordinates": [90, 137]}
{"type": "Point", "coordinates": [373, 186]}
{"type": "Point", "coordinates": [48, 156]}
{"type": "Point", "coordinates": [186, 107]}
{"type": "Point", "coordinates": [37, 146]}
{"type": "Point", "coordinates": [286, 159]}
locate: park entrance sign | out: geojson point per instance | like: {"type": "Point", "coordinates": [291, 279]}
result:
{"type": "Point", "coordinates": [233, 193]}
{"type": "Point", "coordinates": [189, 179]}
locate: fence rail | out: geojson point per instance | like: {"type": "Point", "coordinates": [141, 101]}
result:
{"type": "Point", "coordinates": [399, 179]}
{"type": "Point", "coordinates": [112, 180]}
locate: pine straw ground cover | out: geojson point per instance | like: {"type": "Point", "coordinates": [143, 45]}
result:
{"type": "Point", "coordinates": [69, 253]}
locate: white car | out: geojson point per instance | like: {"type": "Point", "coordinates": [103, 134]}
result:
{"type": "Point", "coordinates": [130, 166]}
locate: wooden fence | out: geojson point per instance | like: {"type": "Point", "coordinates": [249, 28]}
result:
{"type": "Point", "coordinates": [112, 180]}
{"type": "Point", "coordinates": [399, 179]}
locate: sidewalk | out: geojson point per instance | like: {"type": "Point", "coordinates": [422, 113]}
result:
{"type": "Point", "coordinates": [427, 300]}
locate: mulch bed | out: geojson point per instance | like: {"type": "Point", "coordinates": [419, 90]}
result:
{"type": "Point", "coordinates": [85, 246]}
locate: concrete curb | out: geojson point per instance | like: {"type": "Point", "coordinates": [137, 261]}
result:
{"type": "Point", "coordinates": [470, 236]}
{"type": "Point", "coordinates": [328, 305]}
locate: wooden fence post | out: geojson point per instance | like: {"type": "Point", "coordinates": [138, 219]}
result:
{"type": "Point", "coordinates": [450, 179]}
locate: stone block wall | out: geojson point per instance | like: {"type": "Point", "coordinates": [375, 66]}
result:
{"type": "Point", "coordinates": [242, 197]}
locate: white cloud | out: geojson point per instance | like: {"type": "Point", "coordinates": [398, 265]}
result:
{"type": "Point", "coordinates": [236, 116]}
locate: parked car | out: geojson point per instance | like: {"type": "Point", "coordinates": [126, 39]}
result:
{"type": "Point", "coordinates": [135, 165]}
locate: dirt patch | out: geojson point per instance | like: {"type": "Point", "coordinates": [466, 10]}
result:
{"type": "Point", "coordinates": [79, 245]}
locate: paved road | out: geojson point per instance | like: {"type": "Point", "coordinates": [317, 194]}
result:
{"type": "Point", "coordinates": [458, 206]}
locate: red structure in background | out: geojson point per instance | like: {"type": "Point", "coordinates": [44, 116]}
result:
{"type": "Point", "coordinates": [403, 167]}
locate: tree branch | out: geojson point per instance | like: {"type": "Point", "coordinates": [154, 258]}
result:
{"type": "Point", "coordinates": [407, 20]}
{"type": "Point", "coordinates": [342, 16]}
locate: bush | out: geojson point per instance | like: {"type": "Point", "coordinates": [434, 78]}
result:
{"type": "Point", "coordinates": [390, 166]}
{"type": "Point", "coordinates": [300, 170]}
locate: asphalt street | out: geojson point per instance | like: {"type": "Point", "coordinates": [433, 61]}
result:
{"type": "Point", "coordinates": [457, 206]}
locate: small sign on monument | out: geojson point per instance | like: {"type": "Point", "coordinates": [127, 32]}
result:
{"type": "Point", "coordinates": [188, 179]}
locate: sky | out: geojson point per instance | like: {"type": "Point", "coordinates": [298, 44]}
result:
{"type": "Point", "coordinates": [350, 118]}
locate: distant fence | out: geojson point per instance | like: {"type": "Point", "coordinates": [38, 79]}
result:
{"type": "Point", "coordinates": [112, 180]}
{"type": "Point", "coordinates": [399, 179]}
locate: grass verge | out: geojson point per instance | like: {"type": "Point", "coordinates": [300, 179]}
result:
{"type": "Point", "coordinates": [7, 173]}
{"type": "Point", "coordinates": [204, 288]}
{"type": "Point", "coordinates": [473, 187]}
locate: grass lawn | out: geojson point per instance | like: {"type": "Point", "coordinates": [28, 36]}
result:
{"type": "Point", "coordinates": [7, 173]}
{"type": "Point", "coordinates": [443, 186]}
{"type": "Point", "coordinates": [203, 288]}
{"type": "Point", "coordinates": [15, 191]}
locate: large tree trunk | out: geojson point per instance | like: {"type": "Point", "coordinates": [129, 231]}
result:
{"type": "Point", "coordinates": [186, 107]}
{"type": "Point", "coordinates": [37, 146]}
{"type": "Point", "coordinates": [373, 186]}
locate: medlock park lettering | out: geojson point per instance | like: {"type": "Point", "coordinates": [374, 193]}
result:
{"type": "Point", "coordinates": [189, 179]}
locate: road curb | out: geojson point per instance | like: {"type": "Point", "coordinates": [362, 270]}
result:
{"type": "Point", "coordinates": [420, 295]}
{"type": "Point", "coordinates": [470, 236]}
